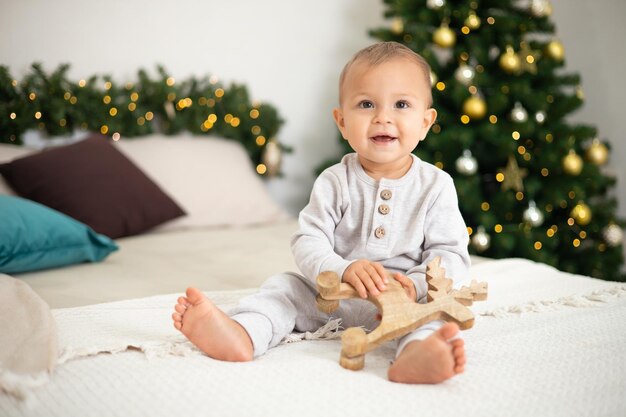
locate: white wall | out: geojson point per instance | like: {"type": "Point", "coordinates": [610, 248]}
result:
{"type": "Point", "coordinates": [289, 53]}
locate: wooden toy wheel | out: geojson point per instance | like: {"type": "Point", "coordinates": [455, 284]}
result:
{"type": "Point", "coordinates": [353, 342]}
{"type": "Point", "coordinates": [328, 283]}
{"type": "Point", "coordinates": [327, 306]}
{"type": "Point", "coordinates": [354, 364]}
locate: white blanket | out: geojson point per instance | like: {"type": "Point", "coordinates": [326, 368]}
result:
{"type": "Point", "coordinates": [546, 343]}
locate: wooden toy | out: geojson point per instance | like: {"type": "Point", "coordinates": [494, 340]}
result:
{"type": "Point", "coordinates": [399, 314]}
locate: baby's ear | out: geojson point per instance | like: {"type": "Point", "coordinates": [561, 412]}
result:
{"type": "Point", "coordinates": [339, 120]}
{"type": "Point", "coordinates": [430, 115]}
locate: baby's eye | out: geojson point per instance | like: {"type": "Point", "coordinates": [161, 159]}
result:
{"type": "Point", "coordinates": [402, 104]}
{"type": "Point", "coordinates": [366, 104]}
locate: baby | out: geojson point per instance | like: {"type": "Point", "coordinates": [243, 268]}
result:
{"type": "Point", "coordinates": [379, 209]}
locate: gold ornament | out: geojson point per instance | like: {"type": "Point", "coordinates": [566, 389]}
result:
{"type": "Point", "coordinates": [513, 176]}
{"type": "Point", "coordinates": [444, 36]}
{"type": "Point", "coordinates": [580, 93]}
{"type": "Point", "coordinates": [510, 61]}
{"type": "Point", "coordinates": [272, 156]}
{"type": "Point", "coordinates": [581, 213]}
{"type": "Point", "coordinates": [475, 107]}
{"type": "Point", "coordinates": [555, 50]}
{"type": "Point", "coordinates": [597, 153]}
{"type": "Point", "coordinates": [397, 26]}
{"type": "Point", "coordinates": [472, 21]}
{"type": "Point", "coordinates": [572, 163]}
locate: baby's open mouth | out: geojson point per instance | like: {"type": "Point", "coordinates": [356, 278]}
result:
{"type": "Point", "coordinates": [383, 138]}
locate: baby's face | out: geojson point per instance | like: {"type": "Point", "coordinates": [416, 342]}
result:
{"type": "Point", "coordinates": [385, 111]}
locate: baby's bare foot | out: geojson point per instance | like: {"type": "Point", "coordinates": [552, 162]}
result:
{"type": "Point", "coordinates": [212, 331]}
{"type": "Point", "coordinates": [432, 360]}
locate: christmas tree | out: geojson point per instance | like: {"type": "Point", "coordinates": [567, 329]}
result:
{"type": "Point", "coordinates": [530, 183]}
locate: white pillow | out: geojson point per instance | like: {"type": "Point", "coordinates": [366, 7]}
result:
{"type": "Point", "coordinates": [7, 154]}
{"type": "Point", "coordinates": [211, 178]}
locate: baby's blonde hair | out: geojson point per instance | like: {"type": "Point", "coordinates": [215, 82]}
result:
{"type": "Point", "coordinates": [379, 53]}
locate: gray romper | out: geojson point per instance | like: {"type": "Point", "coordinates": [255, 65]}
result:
{"type": "Point", "coordinates": [402, 223]}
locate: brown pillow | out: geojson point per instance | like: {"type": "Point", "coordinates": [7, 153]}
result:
{"type": "Point", "coordinates": [94, 183]}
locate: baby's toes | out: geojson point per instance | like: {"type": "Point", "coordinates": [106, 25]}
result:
{"type": "Point", "coordinates": [178, 320]}
{"type": "Point", "coordinates": [180, 308]}
{"type": "Point", "coordinates": [458, 347]}
{"type": "Point", "coordinates": [455, 343]}
{"type": "Point", "coordinates": [460, 360]}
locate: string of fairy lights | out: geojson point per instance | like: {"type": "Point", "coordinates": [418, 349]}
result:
{"type": "Point", "coordinates": [56, 106]}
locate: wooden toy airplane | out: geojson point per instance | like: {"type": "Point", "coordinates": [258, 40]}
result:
{"type": "Point", "coordinates": [400, 314]}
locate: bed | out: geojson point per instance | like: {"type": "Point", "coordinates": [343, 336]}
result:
{"type": "Point", "coordinates": [545, 343]}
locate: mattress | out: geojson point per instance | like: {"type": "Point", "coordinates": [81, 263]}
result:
{"type": "Point", "coordinates": [212, 258]}
{"type": "Point", "coordinates": [545, 343]}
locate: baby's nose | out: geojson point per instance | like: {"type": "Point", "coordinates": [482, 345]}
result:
{"type": "Point", "coordinates": [382, 116]}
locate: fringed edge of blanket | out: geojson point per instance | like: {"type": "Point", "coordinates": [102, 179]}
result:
{"type": "Point", "coordinates": [156, 349]}
{"type": "Point", "coordinates": [329, 331]}
{"type": "Point", "coordinates": [178, 347]}
{"type": "Point", "coordinates": [592, 299]}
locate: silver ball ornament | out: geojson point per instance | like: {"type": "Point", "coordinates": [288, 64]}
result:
{"type": "Point", "coordinates": [540, 117]}
{"type": "Point", "coordinates": [540, 8]}
{"type": "Point", "coordinates": [494, 52]}
{"type": "Point", "coordinates": [532, 215]}
{"type": "Point", "coordinates": [433, 78]}
{"type": "Point", "coordinates": [272, 157]}
{"type": "Point", "coordinates": [435, 4]}
{"type": "Point", "coordinates": [613, 235]}
{"type": "Point", "coordinates": [481, 240]}
{"type": "Point", "coordinates": [464, 74]}
{"type": "Point", "coordinates": [466, 164]}
{"type": "Point", "coordinates": [519, 113]}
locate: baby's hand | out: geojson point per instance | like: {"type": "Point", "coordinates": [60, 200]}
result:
{"type": "Point", "coordinates": [408, 285]}
{"type": "Point", "coordinates": [366, 276]}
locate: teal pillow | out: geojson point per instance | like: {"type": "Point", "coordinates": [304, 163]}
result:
{"type": "Point", "coordinates": [33, 236]}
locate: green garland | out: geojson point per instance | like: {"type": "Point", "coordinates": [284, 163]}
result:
{"type": "Point", "coordinates": [58, 106]}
